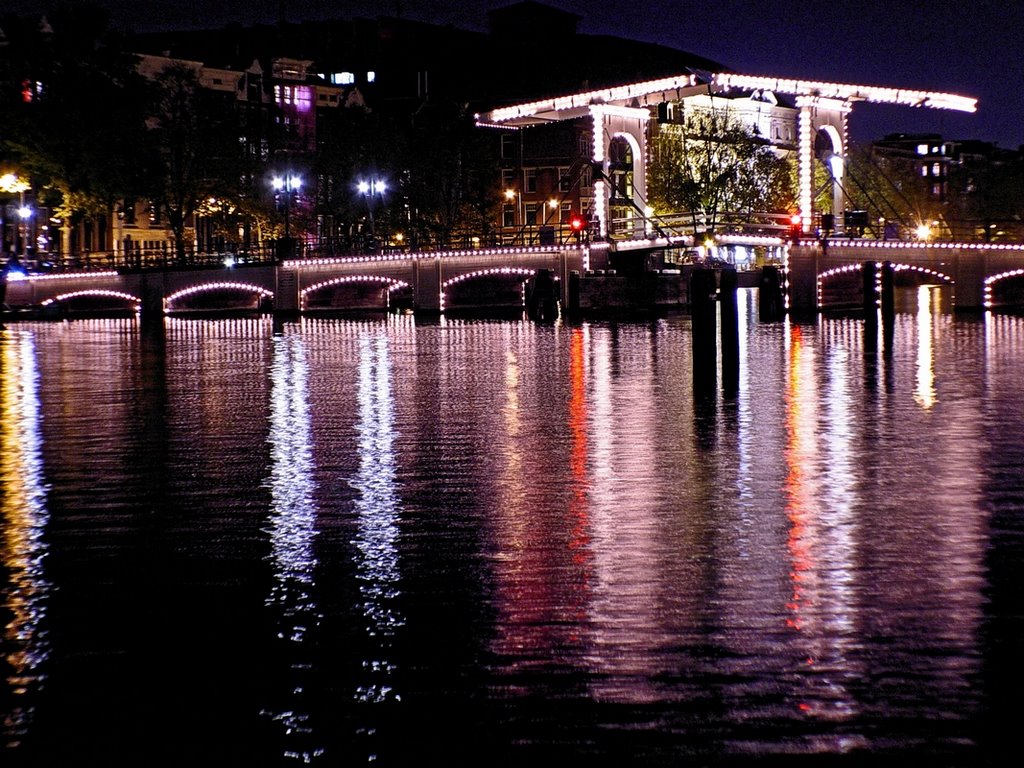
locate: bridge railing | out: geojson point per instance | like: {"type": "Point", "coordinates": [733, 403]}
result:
{"type": "Point", "coordinates": [142, 259]}
{"type": "Point", "coordinates": [690, 223]}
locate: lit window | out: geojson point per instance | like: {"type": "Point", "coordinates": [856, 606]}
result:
{"type": "Point", "coordinates": [924, 170]}
{"type": "Point", "coordinates": [371, 76]}
{"type": "Point", "coordinates": [935, 169]}
{"type": "Point", "coordinates": [508, 216]}
{"type": "Point", "coordinates": [343, 78]}
{"type": "Point", "coordinates": [922, 149]}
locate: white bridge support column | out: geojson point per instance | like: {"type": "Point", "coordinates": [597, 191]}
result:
{"type": "Point", "coordinates": [629, 123]}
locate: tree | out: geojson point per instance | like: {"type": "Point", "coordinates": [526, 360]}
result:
{"type": "Point", "coordinates": [986, 194]}
{"type": "Point", "coordinates": [195, 149]}
{"type": "Point", "coordinates": [889, 187]}
{"type": "Point", "coordinates": [711, 164]}
{"type": "Point", "coordinates": [449, 183]}
{"type": "Point", "coordinates": [73, 112]}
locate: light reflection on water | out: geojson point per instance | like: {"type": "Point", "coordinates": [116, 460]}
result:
{"type": "Point", "coordinates": [377, 509]}
{"type": "Point", "coordinates": [522, 541]}
{"type": "Point", "coordinates": [292, 534]}
{"type": "Point", "coordinates": [23, 549]}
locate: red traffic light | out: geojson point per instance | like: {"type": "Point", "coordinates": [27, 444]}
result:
{"type": "Point", "coordinates": [795, 220]}
{"type": "Point", "coordinates": [576, 223]}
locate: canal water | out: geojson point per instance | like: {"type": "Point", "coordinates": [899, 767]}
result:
{"type": "Point", "coordinates": [491, 542]}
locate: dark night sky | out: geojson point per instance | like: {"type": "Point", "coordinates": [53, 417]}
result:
{"type": "Point", "coordinates": [969, 47]}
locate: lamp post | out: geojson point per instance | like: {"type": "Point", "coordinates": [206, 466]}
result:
{"type": "Point", "coordinates": [289, 184]}
{"type": "Point", "coordinates": [24, 214]}
{"type": "Point", "coordinates": [12, 183]}
{"type": "Point", "coordinates": [368, 189]}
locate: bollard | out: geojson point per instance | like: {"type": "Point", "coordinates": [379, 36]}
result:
{"type": "Point", "coordinates": [730, 331]}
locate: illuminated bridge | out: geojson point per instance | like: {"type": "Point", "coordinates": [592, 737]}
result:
{"type": "Point", "coordinates": [427, 282]}
{"type": "Point", "coordinates": [822, 275]}
{"type": "Point", "coordinates": [819, 275]}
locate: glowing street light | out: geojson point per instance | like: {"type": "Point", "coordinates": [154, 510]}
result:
{"type": "Point", "coordinates": [14, 184]}
{"type": "Point", "coordinates": [289, 184]}
{"type": "Point", "coordinates": [368, 189]}
{"type": "Point", "coordinates": [11, 182]}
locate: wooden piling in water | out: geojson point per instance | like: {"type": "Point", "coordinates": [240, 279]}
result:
{"type": "Point", "coordinates": [703, 287]}
{"type": "Point", "coordinates": [729, 331]}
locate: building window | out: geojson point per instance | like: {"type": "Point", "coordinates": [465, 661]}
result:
{"type": "Point", "coordinates": [371, 76]}
{"type": "Point", "coordinates": [299, 95]}
{"type": "Point", "coordinates": [936, 169]}
{"type": "Point", "coordinates": [565, 213]}
{"type": "Point", "coordinates": [508, 216]}
{"type": "Point", "coordinates": [343, 78]}
{"type": "Point", "coordinates": [564, 180]}
{"type": "Point", "coordinates": [154, 213]}
{"type": "Point", "coordinates": [586, 181]}
{"type": "Point", "coordinates": [531, 214]}
{"type": "Point", "coordinates": [922, 149]}
{"type": "Point", "coordinates": [508, 146]}
{"type": "Point", "coordinates": [508, 178]}
{"type": "Point", "coordinates": [924, 170]}
{"type": "Point", "coordinates": [531, 179]}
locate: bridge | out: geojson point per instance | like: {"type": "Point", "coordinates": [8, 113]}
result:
{"type": "Point", "coordinates": [828, 274]}
{"type": "Point", "coordinates": [430, 282]}
{"type": "Point", "coordinates": [819, 275]}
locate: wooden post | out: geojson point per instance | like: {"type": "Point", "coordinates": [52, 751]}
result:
{"type": "Point", "coordinates": [702, 312]}
{"type": "Point", "coordinates": [729, 331]}
{"type": "Point", "coordinates": [769, 295]}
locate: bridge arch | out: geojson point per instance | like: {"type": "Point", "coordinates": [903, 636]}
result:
{"type": "Point", "coordinates": [93, 293]}
{"type": "Point", "coordinates": [391, 284]}
{"type": "Point", "coordinates": [989, 299]}
{"type": "Point", "coordinates": [848, 282]}
{"type": "Point", "coordinates": [520, 272]}
{"type": "Point", "coordinates": [249, 288]}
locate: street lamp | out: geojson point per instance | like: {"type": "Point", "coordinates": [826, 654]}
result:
{"type": "Point", "coordinates": [553, 205]}
{"type": "Point", "coordinates": [12, 183]}
{"type": "Point", "coordinates": [290, 185]}
{"type": "Point", "coordinates": [368, 189]}
{"type": "Point", "coordinates": [24, 213]}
